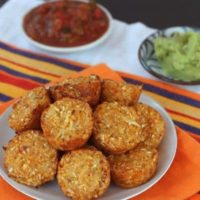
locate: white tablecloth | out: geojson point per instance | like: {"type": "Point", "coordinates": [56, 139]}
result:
{"type": "Point", "coordinates": [119, 51]}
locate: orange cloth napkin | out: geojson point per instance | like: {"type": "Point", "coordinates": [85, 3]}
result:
{"type": "Point", "coordinates": [180, 182]}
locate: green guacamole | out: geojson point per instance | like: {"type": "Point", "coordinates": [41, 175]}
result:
{"type": "Point", "coordinates": [179, 55]}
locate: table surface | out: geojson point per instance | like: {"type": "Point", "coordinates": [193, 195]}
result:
{"type": "Point", "coordinates": [154, 13]}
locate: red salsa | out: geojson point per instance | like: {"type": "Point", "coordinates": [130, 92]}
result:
{"type": "Point", "coordinates": [66, 23]}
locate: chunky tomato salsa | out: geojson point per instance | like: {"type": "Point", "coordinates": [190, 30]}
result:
{"type": "Point", "coordinates": [66, 23]}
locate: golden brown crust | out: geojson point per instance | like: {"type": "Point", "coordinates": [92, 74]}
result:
{"type": "Point", "coordinates": [67, 124]}
{"type": "Point", "coordinates": [87, 89]}
{"type": "Point", "coordinates": [116, 128]}
{"type": "Point", "coordinates": [30, 160]}
{"type": "Point", "coordinates": [27, 111]}
{"type": "Point", "coordinates": [124, 93]}
{"type": "Point", "coordinates": [153, 124]}
{"type": "Point", "coordinates": [128, 130]}
{"type": "Point", "coordinates": [84, 174]}
{"type": "Point", "coordinates": [135, 167]}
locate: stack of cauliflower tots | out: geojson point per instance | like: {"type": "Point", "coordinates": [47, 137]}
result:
{"type": "Point", "coordinates": [85, 131]}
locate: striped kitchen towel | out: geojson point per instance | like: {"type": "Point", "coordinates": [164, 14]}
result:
{"type": "Point", "coordinates": [21, 70]}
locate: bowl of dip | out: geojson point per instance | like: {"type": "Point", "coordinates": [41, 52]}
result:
{"type": "Point", "coordinates": [67, 26]}
{"type": "Point", "coordinates": [173, 55]}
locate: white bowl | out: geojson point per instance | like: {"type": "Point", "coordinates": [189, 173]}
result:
{"type": "Point", "coordinates": [51, 191]}
{"type": "Point", "coordinates": [76, 48]}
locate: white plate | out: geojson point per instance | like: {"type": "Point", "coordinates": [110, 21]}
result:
{"type": "Point", "coordinates": [51, 190]}
{"type": "Point", "coordinates": [76, 48]}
